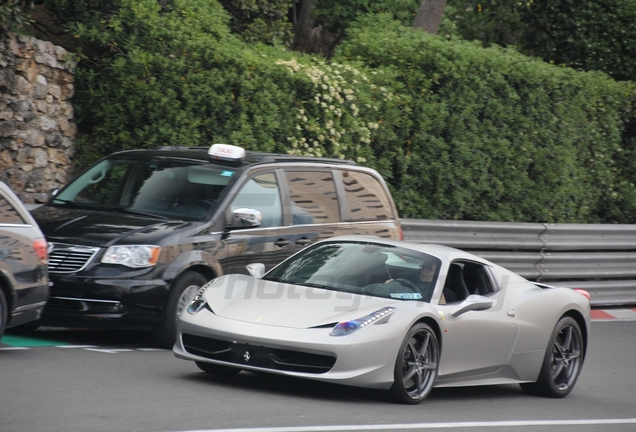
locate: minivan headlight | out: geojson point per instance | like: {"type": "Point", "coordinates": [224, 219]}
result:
{"type": "Point", "coordinates": [135, 256]}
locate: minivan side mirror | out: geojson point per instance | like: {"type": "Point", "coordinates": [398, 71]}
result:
{"type": "Point", "coordinates": [246, 218]}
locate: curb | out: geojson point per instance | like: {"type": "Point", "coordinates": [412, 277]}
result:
{"type": "Point", "coordinates": [614, 314]}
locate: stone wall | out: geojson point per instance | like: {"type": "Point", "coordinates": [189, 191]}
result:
{"type": "Point", "coordinates": [36, 117]}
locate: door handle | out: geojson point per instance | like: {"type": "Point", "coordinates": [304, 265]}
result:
{"type": "Point", "coordinates": [303, 241]}
{"type": "Point", "coordinates": [282, 242]}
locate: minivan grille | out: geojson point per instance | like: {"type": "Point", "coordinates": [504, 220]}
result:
{"type": "Point", "coordinates": [65, 258]}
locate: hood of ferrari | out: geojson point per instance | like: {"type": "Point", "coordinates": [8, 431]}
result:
{"type": "Point", "coordinates": [245, 298]}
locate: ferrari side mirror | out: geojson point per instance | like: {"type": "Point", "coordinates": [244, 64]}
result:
{"type": "Point", "coordinates": [256, 269]}
{"type": "Point", "coordinates": [473, 303]}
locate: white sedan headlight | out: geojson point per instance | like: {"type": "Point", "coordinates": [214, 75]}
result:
{"type": "Point", "coordinates": [345, 328]}
{"type": "Point", "coordinates": [135, 256]}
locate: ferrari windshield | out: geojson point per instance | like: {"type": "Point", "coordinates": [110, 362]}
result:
{"type": "Point", "coordinates": [362, 268]}
{"type": "Point", "coordinates": [174, 189]}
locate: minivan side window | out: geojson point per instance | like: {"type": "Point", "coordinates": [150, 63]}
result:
{"type": "Point", "coordinates": [8, 214]}
{"type": "Point", "coordinates": [365, 197]}
{"type": "Point", "coordinates": [313, 197]}
{"type": "Point", "coordinates": [261, 193]}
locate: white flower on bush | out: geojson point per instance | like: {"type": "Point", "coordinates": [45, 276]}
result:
{"type": "Point", "coordinates": [333, 111]}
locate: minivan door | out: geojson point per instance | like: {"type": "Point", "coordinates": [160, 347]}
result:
{"type": "Point", "coordinates": [261, 244]}
{"type": "Point", "coordinates": [368, 206]}
{"type": "Point", "coordinates": [312, 209]}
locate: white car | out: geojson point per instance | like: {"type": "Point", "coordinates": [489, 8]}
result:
{"type": "Point", "coordinates": [24, 283]}
{"type": "Point", "coordinates": [388, 314]}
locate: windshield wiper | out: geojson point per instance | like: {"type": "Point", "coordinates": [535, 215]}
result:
{"type": "Point", "coordinates": [274, 279]}
{"type": "Point", "coordinates": [315, 285]}
{"type": "Point", "coordinates": [74, 204]}
{"type": "Point", "coordinates": [281, 280]}
{"type": "Point", "coordinates": [307, 284]}
{"type": "Point", "coordinates": [137, 212]}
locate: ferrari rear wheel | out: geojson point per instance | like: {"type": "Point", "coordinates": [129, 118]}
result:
{"type": "Point", "coordinates": [416, 365]}
{"type": "Point", "coordinates": [217, 369]}
{"type": "Point", "coordinates": [562, 363]}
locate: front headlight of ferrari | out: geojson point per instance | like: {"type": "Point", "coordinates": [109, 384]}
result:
{"type": "Point", "coordinates": [135, 256]}
{"type": "Point", "coordinates": [347, 327]}
{"type": "Point", "coordinates": [198, 301]}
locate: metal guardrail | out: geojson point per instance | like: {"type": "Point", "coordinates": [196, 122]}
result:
{"type": "Point", "coordinates": [599, 258]}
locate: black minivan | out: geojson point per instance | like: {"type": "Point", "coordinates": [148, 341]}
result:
{"type": "Point", "coordinates": [135, 236]}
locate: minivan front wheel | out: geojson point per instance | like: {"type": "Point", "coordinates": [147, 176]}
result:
{"type": "Point", "coordinates": [183, 290]}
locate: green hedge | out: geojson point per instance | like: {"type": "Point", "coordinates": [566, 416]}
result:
{"type": "Point", "coordinates": [169, 76]}
{"type": "Point", "coordinates": [175, 75]}
{"type": "Point", "coordinates": [460, 132]}
{"type": "Point", "coordinates": [493, 135]}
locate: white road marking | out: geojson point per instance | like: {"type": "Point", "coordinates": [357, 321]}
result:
{"type": "Point", "coordinates": [12, 348]}
{"type": "Point", "coordinates": [76, 346]}
{"type": "Point", "coordinates": [109, 351]}
{"type": "Point", "coordinates": [430, 425]}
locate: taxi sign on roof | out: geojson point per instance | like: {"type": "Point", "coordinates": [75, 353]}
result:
{"type": "Point", "coordinates": [226, 152]}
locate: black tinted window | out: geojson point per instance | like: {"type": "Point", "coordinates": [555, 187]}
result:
{"type": "Point", "coordinates": [261, 193]}
{"type": "Point", "coordinates": [366, 197]}
{"type": "Point", "coordinates": [169, 188]}
{"type": "Point", "coordinates": [313, 196]}
{"type": "Point", "coordinates": [8, 214]}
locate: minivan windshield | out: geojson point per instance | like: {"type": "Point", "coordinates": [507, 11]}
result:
{"type": "Point", "coordinates": [172, 189]}
{"type": "Point", "coordinates": [375, 270]}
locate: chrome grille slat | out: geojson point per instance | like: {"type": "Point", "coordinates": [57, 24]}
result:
{"type": "Point", "coordinates": [67, 258]}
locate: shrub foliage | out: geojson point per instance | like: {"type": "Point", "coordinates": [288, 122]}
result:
{"type": "Point", "coordinates": [589, 35]}
{"type": "Point", "coordinates": [458, 131]}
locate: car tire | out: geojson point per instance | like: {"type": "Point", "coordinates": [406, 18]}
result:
{"type": "Point", "coordinates": [217, 369]}
{"type": "Point", "coordinates": [4, 313]}
{"type": "Point", "coordinates": [415, 366]}
{"type": "Point", "coordinates": [183, 289]}
{"type": "Point", "coordinates": [562, 362]}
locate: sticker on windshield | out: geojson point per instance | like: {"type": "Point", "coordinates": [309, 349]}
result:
{"type": "Point", "coordinates": [406, 296]}
{"type": "Point", "coordinates": [227, 173]}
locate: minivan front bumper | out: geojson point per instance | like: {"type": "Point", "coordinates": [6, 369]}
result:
{"type": "Point", "coordinates": [94, 302]}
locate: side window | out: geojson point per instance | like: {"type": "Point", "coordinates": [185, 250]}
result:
{"type": "Point", "coordinates": [477, 280]}
{"type": "Point", "coordinates": [455, 289]}
{"type": "Point", "coordinates": [464, 279]}
{"type": "Point", "coordinates": [261, 193]}
{"type": "Point", "coordinates": [366, 197]}
{"type": "Point", "coordinates": [313, 197]}
{"type": "Point", "coordinates": [8, 214]}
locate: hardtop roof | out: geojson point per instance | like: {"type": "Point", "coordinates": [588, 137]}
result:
{"type": "Point", "coordinates": [201, 154]}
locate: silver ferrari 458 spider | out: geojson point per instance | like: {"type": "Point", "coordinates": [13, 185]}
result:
{"type": "Point", "coordinates": [384, 314]}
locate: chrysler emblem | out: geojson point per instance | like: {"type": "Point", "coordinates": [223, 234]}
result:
{"type": "Point", "coordinates": [247, 356]}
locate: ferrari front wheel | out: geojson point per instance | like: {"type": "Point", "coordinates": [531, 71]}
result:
{"type": "Point", "coordinates": [416, 365]}
{"type": "Point", "coordinates": [562, 362]}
